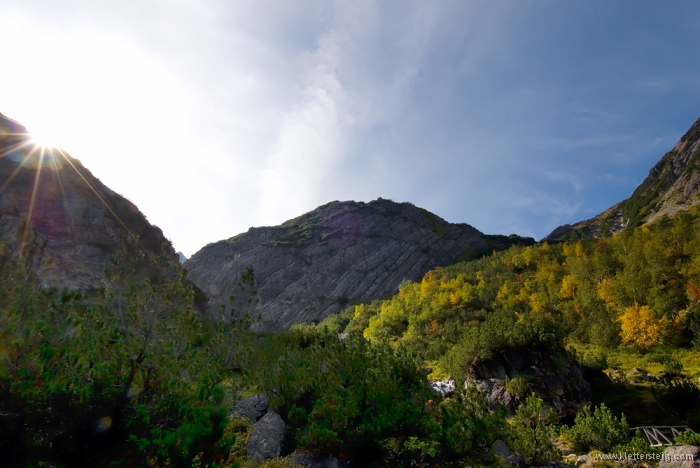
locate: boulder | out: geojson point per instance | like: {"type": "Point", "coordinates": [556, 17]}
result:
{"type": "Point", "coordinates": [501, 449]}
{"type": "Point", "coordinates": [252, 408]}
{"type": "Point", "coordinates": [303, 459]}
{"type": "Point", "coordinates": [638, 375]}
{"type": "Point", "coordinates": [443, 389]}
{"type": "Point", "coordinates": [683, 456]}
{"type": "Point", "coordinates": [267, 437]}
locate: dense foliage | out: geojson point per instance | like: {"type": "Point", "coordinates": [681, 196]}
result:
{"type": "Point", "coordinates": [639, 288]}
{"type": "Point", "coordinates": [138, 377]}
{"type": "Point", "coordinates": [134, 378]}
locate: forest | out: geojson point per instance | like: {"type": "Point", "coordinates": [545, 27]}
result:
{"type": "Point", "coordinates": [137, 375]}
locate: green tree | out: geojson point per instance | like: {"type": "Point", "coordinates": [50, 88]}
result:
{"type": "Point", "coordinates": [533, 430]}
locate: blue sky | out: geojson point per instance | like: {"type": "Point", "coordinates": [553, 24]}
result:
{"type": "Point", "coordinates": [214, 116]}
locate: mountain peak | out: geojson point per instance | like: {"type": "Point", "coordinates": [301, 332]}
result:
{"type": "Point", "coordinates": [339, 253]}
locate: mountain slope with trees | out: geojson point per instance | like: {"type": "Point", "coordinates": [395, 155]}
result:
{"type": "Point", "coordinates": [672, 186]}
{"type": "Point", "coordinates": [339, 253]}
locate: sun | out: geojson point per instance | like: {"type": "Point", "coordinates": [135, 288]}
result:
{"type": "Point", "coordinates": [45, 140]}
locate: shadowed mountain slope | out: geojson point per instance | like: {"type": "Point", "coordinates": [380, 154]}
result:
{"type": "Point", "coordinates": [672, 185]}
{"type": "Point", "coordinates": [340, 253]}
{"type": "Point", "coordinates": [75, 220]}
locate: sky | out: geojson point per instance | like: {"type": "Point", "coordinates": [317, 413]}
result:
{"type": "Point", "coordinates": [213, 116]}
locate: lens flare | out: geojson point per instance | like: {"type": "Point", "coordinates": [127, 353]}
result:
{"type": "Point", "coordinates": [103, 424]}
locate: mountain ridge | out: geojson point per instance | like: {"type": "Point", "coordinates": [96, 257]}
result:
{"type": "Point", "coordinates": [672, 185]}
{"type": "Point", "coordinates": [76, 220]}
{"type": "Point", "coordinates": [342, 252]}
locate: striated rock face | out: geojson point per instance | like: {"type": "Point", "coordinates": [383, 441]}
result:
{"type": "Point", "coordinates": [673, 185]}
{"type": "Point", "coordinates": [342, 252]}
{"type": "Point", "coordinates": [75, 219]}
{"type": "Point", "coordinates": [551, 374]}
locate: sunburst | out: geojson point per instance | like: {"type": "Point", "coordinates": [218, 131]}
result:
{"type": "Point", "coordinates": [32, 152]}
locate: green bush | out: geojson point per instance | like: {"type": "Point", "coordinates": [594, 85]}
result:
{"type": "Point", "coordinates": [135, 377]}
{"type": "Point", "coordinates": [533, 431]}
{"type": "Point", "coordinates": [599, 430]}
{"type": "Point", "coordinates": [519, 385]}
{"type": "Point", "coordinates": [345, 396]}
{"type": "Point", "coordinates": [688, 438]}
{"type": "Point", "coordinates": [466, 426]}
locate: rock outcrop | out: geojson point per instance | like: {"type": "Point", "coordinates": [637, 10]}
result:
{"type": "Point", "coordinates": [76, 221]}
{"type": "Point", "coordinates": [340, 253]}
{"type": "Point", "coordinates": [551, 374]}
{"type": "Point", "coordinates": [673, 185]}
{"type": "Point", "coordinates": [267, 437]}
{"type": "Point", "coordinates": [684, 456]}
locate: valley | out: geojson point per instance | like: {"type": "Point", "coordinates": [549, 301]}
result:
{"type": "Point", "coordinates": [314, 343]}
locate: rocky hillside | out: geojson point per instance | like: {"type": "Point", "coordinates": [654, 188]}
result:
{"type": "Point", "coordinates": [340, 253]}
{"type": "Point", "coordinates": [76, 221]}
{"type": "Point", "coordinates": [672, 185]}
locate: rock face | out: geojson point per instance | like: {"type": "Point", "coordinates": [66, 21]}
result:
{"type": "Point", "coordinates": [672, 185]}
{"type": "Point", "coordinates": [684, 456]}
{"type": "Point", "coordinates": [267, 437]}
{"type": "Point", "coordinates": [342, 252]}
{"type": "Point", "coordinates": [77, 219]}
{"type": "Point", "coordinates": [552, 375]}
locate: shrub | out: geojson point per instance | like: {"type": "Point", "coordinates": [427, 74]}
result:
{"type": "Point", "coordinates": [688, 438]}
{"type": "Point", "coordinates": [466, 426]}
{"type": "Point", "coordinates": [519, 385]}
{"type": "Point", "coordinates": [346, 396]}
{"type": "Point", "coordinates": [135, 378]}
{"type": "Point", "coordinates": [533, 430]}
{"type": "Point", "coordinates": [599, 430]}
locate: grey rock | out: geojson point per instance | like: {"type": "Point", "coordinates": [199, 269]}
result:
{"type": "Point", "coordinates": [501, 449]}
{"type": "Point", "coordinates": [303, 459]}
{"type": "Point", "coordinates": [554, 376]}
{"type": "Point", "coordinates": [683, 456]}
{"type": "Point", "coordinates": [340, 253]}
{"type": "Point", "coordinates": [253, 408]}
{"type": "Point", "coordinates": [443, 388]}
{"type": "Point", "coordinates": [516, 460]}
{"type": "Point", "coordinates": [267, 437]}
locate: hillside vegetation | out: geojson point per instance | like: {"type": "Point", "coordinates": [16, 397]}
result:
{"type": "Point", "coordinates": [137, 377]}
{"type": "Point", "coordinates": [626, 301]}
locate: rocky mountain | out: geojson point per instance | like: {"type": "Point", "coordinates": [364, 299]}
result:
{"type": "Point", "coordinates": [75, 221]}
{"type": "Point", "coordinates": [340, 253]}
{"type": "Point", "coordinates": [672, 185]}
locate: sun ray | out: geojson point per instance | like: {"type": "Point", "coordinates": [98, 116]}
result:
{"type": "Point", "coordinates": [27, 225]}
{"type": "Point", "coordinates": [17, 146]}
{"type": "Point", "coordinates": [19, 168]}
{"type": "Point", "coordinates": [105, 203]}
{"type": "Point", "coordinates": [57, 172]}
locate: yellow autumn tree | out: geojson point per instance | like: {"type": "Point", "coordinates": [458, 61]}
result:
{"type": "Point", "coordinates": [639, 325]}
